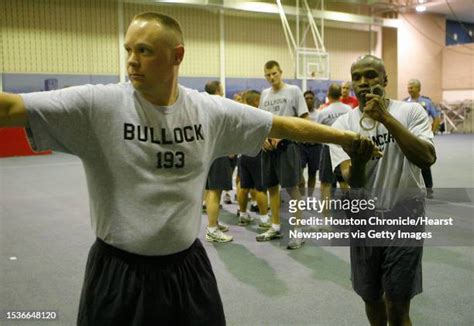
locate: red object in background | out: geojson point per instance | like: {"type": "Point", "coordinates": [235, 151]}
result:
{"type": "Point", "coordinates": [14, 142]}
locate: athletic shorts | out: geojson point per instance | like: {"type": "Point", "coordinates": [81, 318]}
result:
{"type": "Point", "coordinates": [282, 166]}
{"type": "Point", "coordinates": [326, 174]}
{"type": "Point", "coordinates": [250, 172]}
{"type": "Point", "coordinates": [310, 156]}
{"type": "Point", "coordinates": [121, 288]}
{"type": "Point", "coordinates": [220, 175]}
{"type": "Point", "coordinates": [395, 271]}
{"type": "Point", "coordinates": [393, 268]}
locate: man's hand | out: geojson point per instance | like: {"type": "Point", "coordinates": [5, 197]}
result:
{"type": "Point", "coordinates": [362, 150]}
{"type": "Point", "coordinates": [376, 107]}
{"type": "Point", "coordinates": [275, 142]}
{"type": "Point", "coordinates": [267, 145]}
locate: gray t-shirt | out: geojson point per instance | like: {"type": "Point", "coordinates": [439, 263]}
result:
{"type": "Point", "coordinates": [146, 165]}
{"type": "Point", "coordinates": [392, 177]}
{"type": "Point", "coordinates": [288, 101]}
{"type": "Point", "coordinates": [329, 114]}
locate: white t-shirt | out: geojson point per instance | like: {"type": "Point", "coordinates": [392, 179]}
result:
{"type": "Point", "coordinates": [287, 101]}
{"type": "Point", "coordinates": [393, 178]}
{"type": "Point", "coordinates": [146, 165]}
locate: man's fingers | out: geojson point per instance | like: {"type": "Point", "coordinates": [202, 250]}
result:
{"type": "Point", "coordinates": [377, 153]}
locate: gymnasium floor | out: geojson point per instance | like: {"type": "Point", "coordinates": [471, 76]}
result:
{"type": "Point", "coordinates": [44, 223]}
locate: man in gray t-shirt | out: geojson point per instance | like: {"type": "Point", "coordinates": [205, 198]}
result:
{"type": "Point", "coordinates": [281, 157]}
{"type": "Point", "coordinates": [146, 147]}
{"type": "Point", "coordinates": [387, 277]}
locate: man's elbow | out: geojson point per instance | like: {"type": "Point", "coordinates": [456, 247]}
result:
{"type": "Point", "coordinates": [428, 160]}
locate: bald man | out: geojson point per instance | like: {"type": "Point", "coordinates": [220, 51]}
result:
{"type": "Point", "coordinates": [386, 274]}
{"type": "Point", "coordinates": [346, 97]}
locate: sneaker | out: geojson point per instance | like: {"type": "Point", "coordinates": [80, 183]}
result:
{"type": "Point", "coordinates": [245, 220]}
{"type": "Point", "coordinates": [227, 199]}
{"type": "Point", "coordinates": [218, 236]}
{"type": "Point", "coordinates": [295, 243]}
{"type": "Point", "coordinates": [265, 225]}
{"type": "Point", "coordinates": [222, 227]}
{"type": "Point", "coordinates": [269, 235]}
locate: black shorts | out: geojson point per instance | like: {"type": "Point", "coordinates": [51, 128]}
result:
{"type": "Point", "coordinates": [393, 271]}
{"type": "Point", "coordinates": [310, 156]}
{"type": "Point", "coordinates": [282, 166]}
{"type": "Point", "coordinates": [326, 174]}
{"type": "Point", "coordinates": [121, 288]}
{"type": "Point", "coordinates": [250, 172]}
{"type": "Point", "coordinates": [220, 175]}
{"type": "Point", "coordinates": [390, 267]}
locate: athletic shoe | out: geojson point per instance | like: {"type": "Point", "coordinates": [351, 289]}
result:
{"type": "Point", "coordinates": [218, 236]}
{"type": "Point", "coordinates": [227, 199]}
{"type": "Point", "coordinates": [295, 243]}
{"type": "Point", "coordinates": [265, 225]}
{"type": "Point", "coordinates": [269, 235]}
{"type": "Point", "coordinates": [222, 227]}
{"type": "Point", "coordinates": [245, 220]}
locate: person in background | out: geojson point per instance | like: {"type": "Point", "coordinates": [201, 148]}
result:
{"type": "Point", "coordinates": [281, 157]}
{"type": "Point", "coordinates": [414, 89]}
{"type": "Point", "coordinates": [219, 179]}
{"type": "Point", "coordinates": [346, 97]}
{"type": "Point", "coordinates": [251, 176]}
{"type": "Point", "coordinates": [310, 152]}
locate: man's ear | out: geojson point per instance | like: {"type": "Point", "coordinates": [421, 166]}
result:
{"type": "Point", "coordinates": [178, 54]}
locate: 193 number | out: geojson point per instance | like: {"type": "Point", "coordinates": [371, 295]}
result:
{"type": "Point", "coordinates": [168, 160]}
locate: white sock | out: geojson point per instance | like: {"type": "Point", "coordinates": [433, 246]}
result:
{"type": "Point", "coordinates": [253, 203]}
{"type": "Point", "coordinates": [212, 229]}
{"type": "Point", "coordinates": [244, 214]}
{"type": "Point", "coordinates": [264, 218]}
{"type": "Point", "coordinates": [276, 227]}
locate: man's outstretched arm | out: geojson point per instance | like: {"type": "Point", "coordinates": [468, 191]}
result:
{"type": "Point", "coordinates": [307, 131]}
{"type": "Point", "coordinates": [12, 111]}
{"type": "Point", "coordinates": [304, 130]}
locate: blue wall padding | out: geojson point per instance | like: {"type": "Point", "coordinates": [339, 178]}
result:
{"type": "Point", "coordinates": [24, 83]}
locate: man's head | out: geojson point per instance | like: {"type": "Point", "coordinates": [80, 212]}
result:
{"type": "Point", "coordinates": [309, 99]}
{"type": "Point", "coordinates": [273, 73]}
{"type": "Point", "coordinates": [346, 89]}
{"type": "Point", "coordinates": [155, 49]}
{"type": "Point", "coordinates": [414, 88]}
{"type": "Point", "coordinates": [366, 72]}
{"type": "Point", "coordinates": [334, 92]}
{"type": "Point", "coordinates": [214, 88]}
{"type": "Point", "coordinates": [252, 98]}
